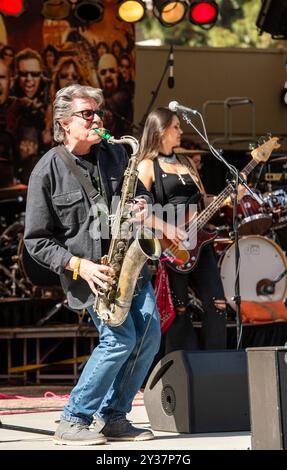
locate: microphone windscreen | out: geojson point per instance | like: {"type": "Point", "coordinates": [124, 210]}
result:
{"type": "Point", "coordinates": [173, 106]}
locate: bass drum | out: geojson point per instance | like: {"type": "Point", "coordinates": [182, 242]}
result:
{"type": "Point", "coordinates": [260, 258]}
{"type": "Point", "coordinates": [34, 273]}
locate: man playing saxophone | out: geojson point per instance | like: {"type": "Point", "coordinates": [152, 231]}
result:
{"type": "Point", "coordinates": [58, 235]}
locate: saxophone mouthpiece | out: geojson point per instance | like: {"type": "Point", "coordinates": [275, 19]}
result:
{"type": "Point", "coordinates": [103, 133]}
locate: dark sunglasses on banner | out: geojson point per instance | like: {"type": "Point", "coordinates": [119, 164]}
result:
{"type": "Point", "coordinates": [72, 76]}
{"type": "Point", "coordinates": [104, 71]}
{"type": "Point", "coordinates": [26, 74]}
{"type": "Point", "coordinates": [88, 114]}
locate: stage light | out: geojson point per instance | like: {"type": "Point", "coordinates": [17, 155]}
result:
{"type": "Point", "coordinates": [12, 7]}
{"type": "Point", "coordinates": [89, 11]}
{"type": "Point", "coordinates": [85, 11]}
{"type": "Point", "coordinates": [169, 13]}
{"type": "Point", "coordinates": [203, 14]}
{"type": "Point", "coordinates": [131, 11]}
{"type": "Point", "coordinates": [56, 9]}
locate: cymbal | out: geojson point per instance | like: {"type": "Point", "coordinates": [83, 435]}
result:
{"type": "Point", "coordinates": [14, 190]}
{"type": "Point", "coordinates": [223, 240]}
{"type": "Point", "coordinates": [15, 187]}
{"type": "Point", "coordinates": [183, 151]}
{"type": "Point", "coordinates": [280, 159]}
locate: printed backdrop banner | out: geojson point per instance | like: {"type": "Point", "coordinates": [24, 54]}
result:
{"type": "Point", "coordinates": [39, 56]}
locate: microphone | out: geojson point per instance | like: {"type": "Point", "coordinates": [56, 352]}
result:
{"type": "Point", "coordinates": [265, 287]}
{"type": "Point", "coordinates": [175, 106]}
{"type": "Point", "coordinates": [170, 80]}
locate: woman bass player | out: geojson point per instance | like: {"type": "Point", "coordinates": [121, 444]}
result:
{"type": "Point", "coordinates": [174, 179]}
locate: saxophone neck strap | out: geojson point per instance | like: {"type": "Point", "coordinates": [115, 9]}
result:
{"type": "Point", "coordinates": [86, 184]}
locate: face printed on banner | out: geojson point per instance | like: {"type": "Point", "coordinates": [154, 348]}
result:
{"type": "Point", "coordinates": [8, 55]}
{"type": "Point", "coordinates": [68, 75]}
{"type": "Point", "coordinates": [4, 82]}
{"type": "Point", "coordinates": [29, 73]}
{"type": "Point", "coordinates": [108, 72]}
{"type": "Point", "coordinates": [125, 69]}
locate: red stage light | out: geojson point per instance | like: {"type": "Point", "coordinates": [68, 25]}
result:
{"type": "Point", "coordinates": [11, 7]}
{"type": "Point", "coordinates": [203, 13]}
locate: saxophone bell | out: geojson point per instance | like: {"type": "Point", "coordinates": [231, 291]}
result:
{"type": "Point", "coordinates": [113, 307]}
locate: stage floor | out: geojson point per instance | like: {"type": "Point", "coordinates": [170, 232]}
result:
{"type": "Point", "coordinates": [40, 413]}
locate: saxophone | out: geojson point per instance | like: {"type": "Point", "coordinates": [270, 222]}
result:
{"type": "Point", "coordinates": [112, 305]}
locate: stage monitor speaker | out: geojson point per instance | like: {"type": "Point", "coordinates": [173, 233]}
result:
{"type": "Point", "coordinates": [198, 392]}
{"type": "Point", "coordinates": [267, 377]}
{"type": "Point", "coordinates": [272, 18]}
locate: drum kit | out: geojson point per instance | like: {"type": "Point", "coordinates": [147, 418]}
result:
{"type": "Point", "coordinates": [262, 250]}
{"type": "Point", "coordinates": [20, 275]}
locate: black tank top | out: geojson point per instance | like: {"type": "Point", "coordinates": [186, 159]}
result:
{"type": "Point", "coordinates": [175, 189]}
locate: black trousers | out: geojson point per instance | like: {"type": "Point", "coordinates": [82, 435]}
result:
{"type": "Point", "coordinates": [205, 280]}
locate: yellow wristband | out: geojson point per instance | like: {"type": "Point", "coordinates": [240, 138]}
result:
{"type": "Point", "coordinates": [76, 269]}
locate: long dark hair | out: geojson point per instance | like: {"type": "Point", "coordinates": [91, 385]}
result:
{"type": "Point", "coordinates": [156, 124]}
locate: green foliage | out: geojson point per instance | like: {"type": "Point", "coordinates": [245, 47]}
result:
{"type": "Point", "coordinates": [236, 27]}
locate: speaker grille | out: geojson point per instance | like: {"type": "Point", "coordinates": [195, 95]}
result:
{"type": "Point", "coordinates": [168, 400]}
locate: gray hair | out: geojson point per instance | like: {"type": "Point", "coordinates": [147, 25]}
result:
{"type": "Point", "coordinates": [63, 105]}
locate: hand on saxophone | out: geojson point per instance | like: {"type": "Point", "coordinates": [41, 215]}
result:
{"type": "Point", "coordinates": [94, 274]}
{"type": "Point", "coordinates": [139, 211]}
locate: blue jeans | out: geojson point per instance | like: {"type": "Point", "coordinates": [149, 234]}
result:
{"type": "Point", "coordinates": [109, 383]}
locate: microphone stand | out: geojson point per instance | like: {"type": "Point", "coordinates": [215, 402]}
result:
{"type": "Point", "coordinates": [238, 179]}
{"type": "Point", "coordinates": [155, 92]}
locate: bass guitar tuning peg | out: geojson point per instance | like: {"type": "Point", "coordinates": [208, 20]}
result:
{"type": "Point", "coordinates": [252, 146]}
{"type": "Point", "coordinates": [262, 140]}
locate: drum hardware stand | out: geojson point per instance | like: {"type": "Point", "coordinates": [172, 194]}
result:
{"type": "Point", "coordinates": [14, 280]}
{"type": "Point", "coordinates": [14, 269]}
{"type": "Point", "coordinates": [258, 176]}
{"type": "Point", "coordinates": [267, 286]}
{"type": "Point", "coordinates": [269, 184]}
{"type": "Point", "coordinates": [55, 310]}
{"type": "Point", "coordinates": [237, 179]}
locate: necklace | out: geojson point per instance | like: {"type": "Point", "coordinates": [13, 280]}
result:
{"type": "Point", "coordinates": [171, 159]}
{"type": "Point", "coordinates": [167, 158]}
{"type": "Point", "coordinates": [180, 177]}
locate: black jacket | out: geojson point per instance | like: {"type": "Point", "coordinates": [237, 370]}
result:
{"type": "Point", "coordinates": [59, 216]}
